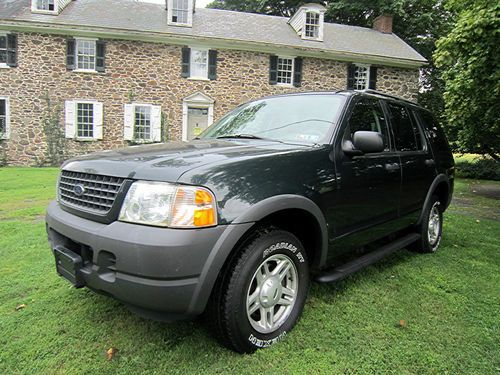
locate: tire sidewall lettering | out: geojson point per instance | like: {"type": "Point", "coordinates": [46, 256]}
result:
{"type": "Point", "coordinates": [283, 246]}
{"type": "Point", "coordinates": [259, 343]}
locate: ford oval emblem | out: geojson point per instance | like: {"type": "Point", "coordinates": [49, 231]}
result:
{"type": "Point", "coordinates": [79, 190]}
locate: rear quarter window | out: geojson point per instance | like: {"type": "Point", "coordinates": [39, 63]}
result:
{"type": "Point", "coordinates": [406, 131]}
{"type": "Point", "coordinates": [435, 132]}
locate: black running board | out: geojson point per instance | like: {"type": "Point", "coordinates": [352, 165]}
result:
{"type": "Point", "coordinates": [357, 264]}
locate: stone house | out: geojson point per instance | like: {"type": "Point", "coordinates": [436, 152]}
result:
{"type": "Point", "coordinates": [119, 72]}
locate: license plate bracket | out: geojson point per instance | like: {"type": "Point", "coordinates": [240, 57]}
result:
{"type": "Point", "coordinates": [69, 265]}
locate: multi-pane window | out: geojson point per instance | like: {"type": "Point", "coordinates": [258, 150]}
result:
{"type": "Point", "coordinates": [3, 49]}
{"type": "Point", "coordinates": [85, 120]}
{"type": "Point", "coordinates": [199, 63]}
{"type": "Point", "coordinates": [142, 123]}
{"type": "Point", "coordinates": [86, 54]}
{"type": "Point", "coordinates": [45, 5]}
{"type": "Point", "coordinates": [3, 118]}
{"type": "Point", "coordinates": [361, 77]}
{"type": "Point", "coordinates": [180, 11]}
{"type": "Point", "coordinates": [312, 25]}
{"type": "Point", "coordinates": [285, 71]}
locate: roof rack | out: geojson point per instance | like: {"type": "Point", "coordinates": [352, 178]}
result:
{"type": "Point", "coordinates": [375, 92]}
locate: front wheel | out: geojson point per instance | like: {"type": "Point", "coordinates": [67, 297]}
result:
{"type": "Point", "coordinates": [431, 228]}
{"type": "Point", "coordinates": [262, 294]}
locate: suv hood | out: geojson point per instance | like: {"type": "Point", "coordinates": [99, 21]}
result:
{"type": "Point", "coordinates": [169, 161]}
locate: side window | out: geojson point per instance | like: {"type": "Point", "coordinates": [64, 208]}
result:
{"type": "Point", "coordinates": [408, 135]}
{"type": "Point", "coordinates": [435, 133]}
{"type": "Point", "coordinates": [367, 115]}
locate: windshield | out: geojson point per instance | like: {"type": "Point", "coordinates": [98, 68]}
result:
{"type": "Point", "coordinates": [300, 118]}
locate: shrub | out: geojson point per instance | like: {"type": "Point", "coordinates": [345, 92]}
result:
{"type": "Point", "coordinates": [482, 169]}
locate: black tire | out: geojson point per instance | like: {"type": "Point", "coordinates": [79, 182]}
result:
{"type": "Point", "coordinates": [228, 306]}
{"type": "Point", "coordinates": [428, 243]}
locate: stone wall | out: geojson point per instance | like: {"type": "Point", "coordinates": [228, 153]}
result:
{"type": "Point", "coordinates": [148, 73]}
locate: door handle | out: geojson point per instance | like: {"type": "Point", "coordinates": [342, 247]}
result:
{"type": "Point", "coordinates": [392, 167]}
{"type": "Point", "coordinates": [430, 162]}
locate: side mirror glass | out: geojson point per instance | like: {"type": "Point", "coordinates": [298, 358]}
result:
{"type": "Point", "coordinates": [349, 149]}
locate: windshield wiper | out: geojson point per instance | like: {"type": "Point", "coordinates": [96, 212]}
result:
{"type": "Point", "coordinates": [246, 136]}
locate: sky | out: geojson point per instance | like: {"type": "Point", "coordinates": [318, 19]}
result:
{"type": "Point", "coordinates": [199, 3]}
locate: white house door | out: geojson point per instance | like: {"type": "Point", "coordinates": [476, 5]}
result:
{"type": "Point", "coordinates": [197, 122]}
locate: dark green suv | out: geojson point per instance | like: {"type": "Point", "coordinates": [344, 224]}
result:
{"type": "Point", "coordinates": [237, 222]}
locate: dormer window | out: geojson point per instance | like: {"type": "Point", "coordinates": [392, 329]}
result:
{"type": "Point", "coordinates": [180, 12]}
{"type": "Point", "coordinates": [53, 7]}
{"type": "Point", "coordinates": [309, 21]}
{"type": "Point", "coordinates": [312, 25]}
{"type": "Point", "coordinates": [44, 6]}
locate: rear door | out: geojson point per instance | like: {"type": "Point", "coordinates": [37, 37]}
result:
{"type": "Point", "coordinates": [417, 162]}
{"type": "Point", "coordinates": [366, 203]}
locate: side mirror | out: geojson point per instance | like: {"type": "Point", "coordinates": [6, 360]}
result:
{"type": "Point", "coordinates": [368, 142]}
{"type": "Point", "coordinates": [349, 149]}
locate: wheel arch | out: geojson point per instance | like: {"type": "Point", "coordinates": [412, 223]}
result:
{"type": "Point", "coordinates": [267, 212]}
{"type": "Point", "coordinates": [442, 189]}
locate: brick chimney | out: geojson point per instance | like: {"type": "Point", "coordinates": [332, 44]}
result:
{"type": "Point", "coordinates": [383, 23]}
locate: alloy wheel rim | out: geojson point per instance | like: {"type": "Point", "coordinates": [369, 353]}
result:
{"type": "Point", "coordinates": [434, 225]}
{"type": "Point", "coordinates": [272, 293]}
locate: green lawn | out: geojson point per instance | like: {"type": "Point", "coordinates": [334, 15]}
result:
{"type": "Point", "coordinates": [410, 314]}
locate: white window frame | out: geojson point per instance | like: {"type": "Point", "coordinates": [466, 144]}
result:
{"type": "Point", "coordinates": [196, 100]}
{"type": "Point", "coordinates": [83, 138]}
{"type": "Point", "coordinates": [155, 123]}
{"type": "Point", "coordinates": [72, 123]}
{"type": "Point", "coordinates": [34, 8]}
{"type": "Point", "coordinates": [82, 70]}
{"type": "Point", "coordinates": [320, 25]}
{"type": "Point", "coordinates": [292, 80]}
{"type": "Point", "coordinates": [6, 135]}
{"type": "Point", "coordinates": [134, 117]}
{"type": "Point", "coordinates": [367, 85]}
{"type": "Point", "coordinates": [4, 65]}
{"type": "Point", "coordinates": [170, 8]}
{"type": "Point", "coordinates": [314, 26]}
{"type": "Point", "coordinates": [203, 77]}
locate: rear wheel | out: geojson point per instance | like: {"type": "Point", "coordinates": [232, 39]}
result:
{"type": "Point", "coordinates": [431, 228]}
{"type": "Point", "coordinates": [262, 293]}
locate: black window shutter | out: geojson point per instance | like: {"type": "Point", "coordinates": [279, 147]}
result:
{"type": "Point", "coordinates": [212, 64]}
{"type": "Point", "coordinates": [373, 78]}
{"type": "Point", "coordinates": [273, 70]}
{"type": "Point", "coordinates": [100, 62]}
{"type": "Point", "coordinates": [186, 62]}
{"type": "Point", "coordinates": [71, 54]}
{"type": "Point", "coordinates": [351, 73]}
{"type": "Point", "coordinates": [12, 50]}
{"type": "Point", "coordinates": [297, 75]}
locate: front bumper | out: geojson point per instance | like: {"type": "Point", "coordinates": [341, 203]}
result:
{"type": "Point", "coordinates": [161, 273]}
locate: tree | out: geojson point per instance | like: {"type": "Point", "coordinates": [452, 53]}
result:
{"type": "Point", "coordinates": [469, 58]}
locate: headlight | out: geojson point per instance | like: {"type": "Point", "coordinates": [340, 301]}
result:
{"type": "Point", "coordinates": [167, 205]}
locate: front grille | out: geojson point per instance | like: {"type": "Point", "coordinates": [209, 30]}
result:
{"type": "Point", "coordinates": [98, 193]}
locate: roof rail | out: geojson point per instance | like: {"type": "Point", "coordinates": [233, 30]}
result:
{"type": "Point", "coordinates": [380, 93]}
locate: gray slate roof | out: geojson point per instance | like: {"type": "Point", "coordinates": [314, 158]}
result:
{"type": "Point", "coordinates": [128, 15]}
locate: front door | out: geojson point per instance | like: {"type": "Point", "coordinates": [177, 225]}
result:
{"type": "Point", "coordinates": [197, 122]}
{"type": "Point", "coordinates": [367, 200]}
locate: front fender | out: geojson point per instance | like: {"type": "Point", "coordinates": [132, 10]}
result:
{"type": "Point", "coordinates": [239, 227]}
{"type": "Point", "coordinates": [284, 202]}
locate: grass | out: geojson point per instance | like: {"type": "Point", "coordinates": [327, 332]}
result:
{"type": "Point", "coordinates": [410, 314]}
{"type": "Point", "coordinates": [471, 158]}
